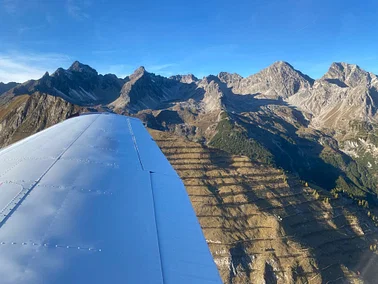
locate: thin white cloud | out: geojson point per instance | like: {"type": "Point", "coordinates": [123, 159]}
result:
{"type": "Point", "coordinates": [302, 28]}
{"type": "Point", "coordinates": [16, 67]}
{"type": "Point", "coordinates": [160, 68]}
{"type": "Point", "coordinates": [77, 9]}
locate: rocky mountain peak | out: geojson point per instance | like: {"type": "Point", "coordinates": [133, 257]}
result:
{"type": "Point", "coordinates": [213, 97]}
{"type": "Point", "coordinates": [140, 70]}
{"type": "Point", "coordinates": [281, 64]}
{"type": "Point", "coordinates": [82, 68]}
{"type": "Point", "coordinates": [229, 78]}
{"type": "Point", "coordinates": [80, 84]}
{"type": "Point", "coordinates": [283, 69]}
{"type": "Point", "coordinates": [138, 73]}
{"type": "Point", "coordinates": [58, 72]}
{"type": "Point", "coordinates": [345, 74]}
{"type": "Point", "coordinates": [188, 79]}
{"type": "Point", "coordinates": [279, 80]}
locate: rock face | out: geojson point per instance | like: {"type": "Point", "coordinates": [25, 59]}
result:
{"type": "Point", "coordinates": [348, 75]}
{"type": "Point", "coordinates": [188, 79]}
{"type": "Point", "coordinates": [146, 90]}
{"type": "Point", "coordinates": [213, 96]}
{"type": "Point", "coordinates": [344, 94]}
{"type": "Point", "coordinates": [26, 115]}
{"type": "Point", "coordinates": [6, 87]}
{"type": "Point", "coordinates": [280, 80]}
{"type": "Point", "coordinates": [79, 84]}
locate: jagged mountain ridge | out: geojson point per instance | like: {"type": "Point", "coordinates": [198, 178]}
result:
{"type": "Point", "coordinates": [279, 80]}
{"type": "Point", "coordinates": [344, 93]}
{"type": "Point", "coordinates": [6, 87]}
{"type": "Point", "coordinates": [145, 90]}
{"type": "Point", "coordinates": [80, 84]}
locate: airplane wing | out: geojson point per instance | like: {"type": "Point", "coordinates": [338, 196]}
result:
{"type": "Point", "coordinates": [94, 200]}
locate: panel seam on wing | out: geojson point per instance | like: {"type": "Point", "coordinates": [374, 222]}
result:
{"type": "Point", "coordinates": [135, 142]}
{"type": "Point", "coordinates": [157, 227]}
{"type": "Point", "coordinates": [27, 191]}
{"type": "Point", "coordinates": [38, 180]}
{"type": "Point", "coordinates": [139, 155]}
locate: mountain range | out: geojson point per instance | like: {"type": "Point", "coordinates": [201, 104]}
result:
{"type": "Point", "coordinates": [320, 133]}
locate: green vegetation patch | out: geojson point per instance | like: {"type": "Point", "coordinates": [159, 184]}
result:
{"type": "Point", "coordinates": [233, 139]}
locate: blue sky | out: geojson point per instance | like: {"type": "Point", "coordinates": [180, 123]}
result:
{"type": "Point", "coordinates": [172, 36]}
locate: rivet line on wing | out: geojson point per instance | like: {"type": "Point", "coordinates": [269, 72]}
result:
{"type": "Point", "coordinates": [48, 245]}
{"type": "Point", "coordinates": [25, 191]}
{"type": "Point", "coordinates": [87, 161]}
{"type": "Point", "coordinates": [85, 190]}
{"type": "Point", "coordinates": [11, 168]}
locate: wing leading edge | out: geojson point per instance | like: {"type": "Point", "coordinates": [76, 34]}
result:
{"type": "Point", "coordinates": [94, 200]}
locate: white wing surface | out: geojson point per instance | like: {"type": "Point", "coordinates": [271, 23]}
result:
{"type": "Point", "coordinates": [94, 200]}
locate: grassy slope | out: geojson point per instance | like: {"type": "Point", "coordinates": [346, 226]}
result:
{"type": "Point", "coordinates": [262, 224]}
{"type": "Point", "coordinates": [235, 140]}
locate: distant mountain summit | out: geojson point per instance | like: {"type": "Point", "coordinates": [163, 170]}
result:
{"type": "Point", "coordinates": [82, 68]}
{"type": "Point", "coordinates": [345, 94]}
{"type": "Point", "coordinates": [79, 84]}
{"type": "Point", "coordinates": [144, 90]}
{"type": "Point", "coordinates": [349, 75]}
{"type": "Point", "coordinates": [6, 87]}
{"type": "Point", "coordinates": [279, 80]}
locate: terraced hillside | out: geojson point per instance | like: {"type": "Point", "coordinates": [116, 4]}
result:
{"type": "Point", "coordinates": [263, 225]}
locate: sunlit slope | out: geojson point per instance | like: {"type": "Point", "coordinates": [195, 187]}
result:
{"type": "Point", "coordinates": [262, 224]}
